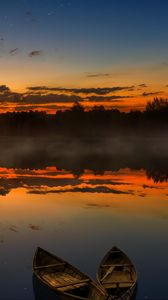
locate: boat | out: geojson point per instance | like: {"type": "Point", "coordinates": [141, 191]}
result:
{"type": "Point", "coordinates": [117, 275]}
{"type": "Point", "coordinates": [66, 280]}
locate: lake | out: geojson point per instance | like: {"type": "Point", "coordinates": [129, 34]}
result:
{"type": "Point", "coordinates": [79, 213]}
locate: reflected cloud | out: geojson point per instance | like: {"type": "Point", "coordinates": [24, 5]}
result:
{"type": "Point", "coordinates": [34, 227]}
{"type": "Point", "coordinates": [98, 189]}
{"type": "Point", "coordinates": [145, 186]}
{"type": "Point", "coordinates": [3, 191]}
{"type": "Point", "coordinates": [13, 229]}
{"type": "Point", "coordinates": [90, 205]}
{"type": "Point", "coordinates": [142, 195]}
{"type": "Point", "coordinates": [106, 181]}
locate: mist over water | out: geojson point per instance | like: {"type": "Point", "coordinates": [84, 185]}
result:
{"type": "Point", "coordinates": [78, 198]}
{"type": "Point", "coordinates": [71, 153]}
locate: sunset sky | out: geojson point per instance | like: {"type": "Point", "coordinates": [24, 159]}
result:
{"type": "Point", "coordinates": [54, 52]}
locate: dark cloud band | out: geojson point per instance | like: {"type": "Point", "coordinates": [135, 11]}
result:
{"type": "Point", "coordinates": [97, 91]}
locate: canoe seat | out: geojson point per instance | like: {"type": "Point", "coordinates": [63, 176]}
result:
{"type": "Point", "coordinates": [116, 284]}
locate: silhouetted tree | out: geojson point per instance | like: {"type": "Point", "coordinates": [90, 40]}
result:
{"type": "Point", "coordinates": [157, 104]}
{"type": "Point", "coordinates": [77, 107]}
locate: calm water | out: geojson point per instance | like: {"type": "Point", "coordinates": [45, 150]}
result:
{"type": "Point", "coordinates": [79, 215]}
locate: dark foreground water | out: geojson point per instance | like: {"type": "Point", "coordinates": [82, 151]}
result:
{"type": "Point", "coordinates": [79, 214]}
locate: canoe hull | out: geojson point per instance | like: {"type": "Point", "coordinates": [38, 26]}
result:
{"type": "Point", "coordinates": [117, 275]}
{"type": "Point", "coordinates": [66, 280]}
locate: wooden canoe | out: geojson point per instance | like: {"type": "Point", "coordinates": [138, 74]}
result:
{"type": "Point", "coordinates": [65, 279]}
{"type": "Point", "coordinates": [117, 274]}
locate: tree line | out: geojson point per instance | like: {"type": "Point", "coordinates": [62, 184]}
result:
{"type": "Point", "coordinates": [96, 122]}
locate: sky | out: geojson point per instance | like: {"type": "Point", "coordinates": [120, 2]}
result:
{"type": "Point", "coordinates": [71, 46]}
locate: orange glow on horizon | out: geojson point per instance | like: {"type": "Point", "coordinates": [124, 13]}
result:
{"type": "Point", "coordinates": [134, 100]}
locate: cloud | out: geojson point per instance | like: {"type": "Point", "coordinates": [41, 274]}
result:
{"type": "Point", "coordinates": [28, 13]}
{"type": "Point", "coordinates": [158, 67]}
{"type": "Point", "coordinates": [29, 16]}
{"type": "Point", "coordinates": [13, 51]}
{"type": "Point", "coordinates": [151, 94]}
{"type": "Point", "coordinates": [13, 228]}
{"type": "Point", "coordinates": [50, 98]}
{"type": "Point", "coordinates": [34, 227]}
{"type": "Point", "coordinates": [131, 89]}
{"type": "Point", "coordinates": [95, 75]}
{"type": "Point", "coordinates": [89, 205]}
{"type": "Point", "coordinates": [1, 41]}
{"type": "Point", "coordinates": [163, 65]}
{"type": "Point", "coordinates": [117, 98]}
{"type": "Point", "coordinates": [98, 91]}
{"type": "Point", "coordinates": [4, 89]}
{"type": "Point", "coordinates": [7, 96]}
{"type": "Point", "coordinates": [48, 107]}
{"type": "Point", "coordinates": [23, 99]}
{"type": "Point", "coordinates": [35, 53]}
{"type": "Point", "coordinates": [143, 85]}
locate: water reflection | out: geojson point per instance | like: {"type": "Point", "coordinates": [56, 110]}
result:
{"type": "Point", "coordinates": [51, 180]}
{"type": "Point", "coordinates": [79, 207]}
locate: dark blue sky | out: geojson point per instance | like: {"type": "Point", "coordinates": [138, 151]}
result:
{"type": "Point", "coordinates": [114, 22]}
